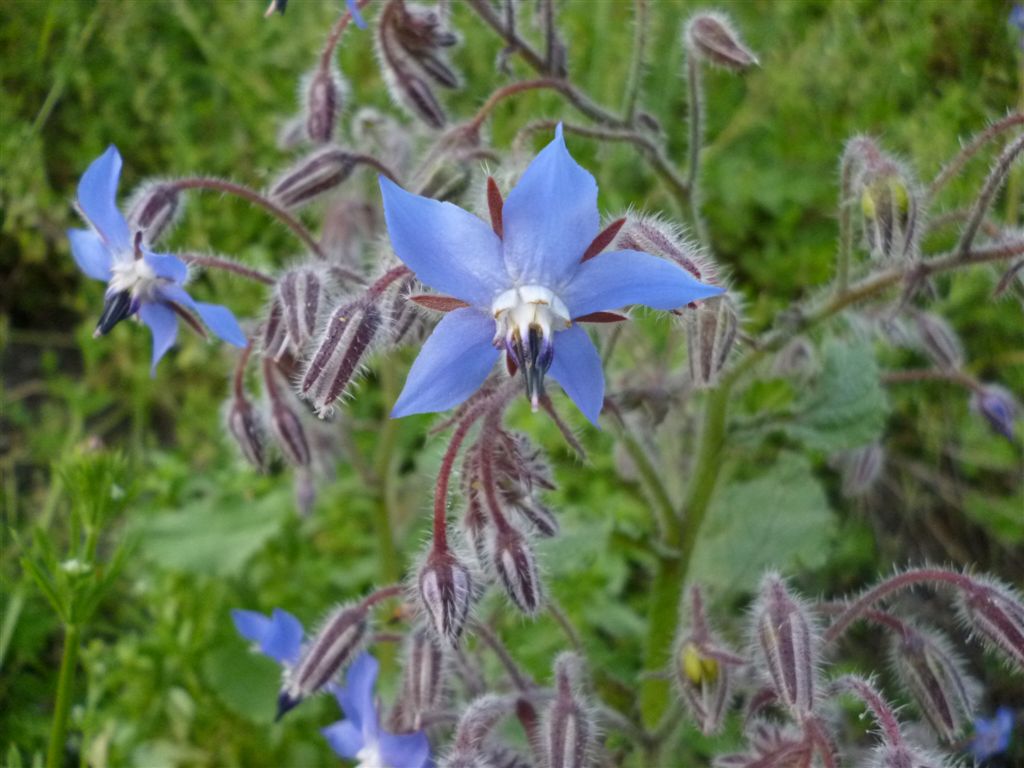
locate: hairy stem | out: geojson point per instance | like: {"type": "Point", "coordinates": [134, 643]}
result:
{"type": "Point", "coordinates": [695, 119]}
{"type": "Point", "coordinates": [227, 265]}
{"type": "Point", "coordinates": [992, 185]}
{"type": "Point", "coordinates": [954, 166]}
{"type": "Point", "coordinates": [637, 61]}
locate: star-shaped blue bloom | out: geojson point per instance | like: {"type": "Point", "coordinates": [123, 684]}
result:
{"type": "Point", "coordinates": [992, 737]}
{"type": "Point", "coordinates": [139, 282]}
{"type": "Point", "coordinates": [360, 737]}
{"type": "Point", "coordinates": [525, 288]}
{"type": "Point", "coordinates": [278, 636]}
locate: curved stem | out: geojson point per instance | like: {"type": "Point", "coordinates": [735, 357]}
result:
{"type": "Point", "coordinates": [327, 55]}
{"type": "Point", "coordinates": [880, 708]}
{"type": "Point", "coordinates": [519, 679]}
{"type": "Point", "coordinates": [992, 185]}
{"type": "Point", "coordinates": [227, 265]}
{"type": "Point", "coordinates": [954, 167]}
{"type": "Point", "coordinates": [382, 594]}
{"type": "Point", "coordinates": [512, 89]}
{"type": "Point", "coordinates": [444, 475]}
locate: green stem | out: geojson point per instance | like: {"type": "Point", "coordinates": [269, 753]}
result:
{"type": "Point", "coordinates": [59, 731]}
{"type": "Point", "coordinates": [387, 552]}
{"type": "Point", "coordinates": [664, 509]}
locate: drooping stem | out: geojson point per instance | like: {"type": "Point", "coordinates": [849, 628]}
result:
{"type": "Point", "coordinates": [953, 167]}
{"type": "Point", "coordinates": [227, 265]}
{"type": "Point", "coordinates": [512, 89]}
{"type": "Point", "coordinates": [521, 681]}
{"type": "Point", "coordinates": [382, 594]}
{"type": "Point", "coordinates": [65, 683]}
{"type": "Point", "coordinates": [327, 55]}
{"type": "Point", "coordinates": [444, 474]}
{"type": "Point", "coordinates": [992, 185]}
{"type": "Point", "coordinates": [880, 708]}
{"type": "Point", "coordinates": [636, 65]}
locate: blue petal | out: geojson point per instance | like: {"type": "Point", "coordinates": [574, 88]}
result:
{"type": "Point", "coordinates": [550, 217]}
{"type": "Point", "coordinates": [344, 738]}
{"type": "Point", "coordinates": [448, 248]}
{"type": "Point", "coordinates": [356, 698]}
{"type": "Point", "coordinates": [167, 266]}
{"type": "Point", "coordinates": [91, 255]}
{"type": "Point", "coordinates": [164, 325]}
{"type": "Point", "coordinates": [97, 199]}
{"type": "Point", "coordinates": [252, 625]}
{"type": "Point", "coordinates": [219, 319]}
{"type": "Point", "coordinates": [452, 364]}
{"type": "Point", "coordinates": [407, 750]}
{"type": "Point", "coordinates": [577, 367]}
{"type": "Point", "coordinates": [357, 17]}
{"type": "Point", "coordinates": [615, 279]}
{"type": "Point", "coordinates": [283, 639]}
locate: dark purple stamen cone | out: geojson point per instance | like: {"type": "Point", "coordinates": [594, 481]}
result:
{"type": "Point", "coordinates": [516, 565]}
{"type": "Point", "coordinates": [116, 307]}
{"type": "Point", "coordinates": [153, 210]}
{"type": "Point", "coordinates": [995, 613]}
{"type": "Point", "coordinates": [934, 676]}
{"type": "Point", "coordinates": [939, 341]}
{"type": "Point", "coordinates": [446, 591]}
{"type": "Point", "coordinates": [342, 347]}
{"type": "Point", "coordinates": [787, 641]}
{"type": "Point", "coordinates": [567, 729]}
{"type": "Point", "coordinates": [246, 428]}
{"type": "Point", "coordinates": [423, 685]}
{"type": "Point", "coordinates": [337, 642]}
{"type": "Point", "coordinates": [319, 172]}
{"type": "Point", "coordinates": [711, 36]}
{"type": "Point", "coordinates": [324, 93]}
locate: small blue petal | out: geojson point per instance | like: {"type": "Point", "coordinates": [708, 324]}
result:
{"type": "Point", "coordinates": [251, 625]}
{"type": "Point", "coordinates": [357, 17]}
{"type": "Point", "coordinates": [407, 750]}
{"type": "Point", "coordinates": [550, 217]}
{"type": "Point", "coordinates": [449, 249]}
{"type": "Point", "coordinates": [452, 364]}
{"type": "Point", "coordinates": [283, 638]}
{"type": "Point", "coordinates": [344, 738]}
{"type": "Point", "coordinates": [97, 199]}
{"type": "Point", "coordinates": [219, 319]}
{"type": "Point", "coordinates": [167, 266]}
{"type": "Point", "coordinates": [616, 279]}
{"type": "Point", "coordinates": [356, 697]}
{"type": "Point", "coordinates": [164, 325]}
{"type": "Point", "coordinates": [91, 255]}
{"type": "Point", "coordinates": [577, 367]}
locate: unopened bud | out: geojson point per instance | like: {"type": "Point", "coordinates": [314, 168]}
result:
{"type": "Point", "coordinates": [337, 642]}
{"type": "Point", "coordinates": [861, 468]}
{"type": "Point", "coordinates": [299, 292]}
{"type": "Point", "coordinates": [889, 205]}
{"type": "Point", "coordinates": [274, 338]}
{"type": "Point", "coordinates": [929, 669]}
{"type": "Point", "coordinates": [998, 407]}
{"type": "Point", "coordinates": [539, 515]}
{"type": "Point", "coordinates": [995, 613]}
{"type": "Point", "coordinates": [446, 590]}
{"type": "Point", "coordinates": [787, 640]}
{"type": "Point", "coordinates": [246, 428]}
{"type": "Point", "coordinates": [712, 37]}
{"type": "Point", "coordinates": [652, 235]}
{"type": "Point", "coordinates": [710, 335]}
{"type": "Point", "coordinates": [798, 359]}
{"type": "Point", "coordinates": [312, 176]}
{"type": "Point", "coordinates": [904, 755]}
{"type": "Point", "coordinates": [285, 422]}
{"type": "Point", "coordinates": [424, 677]}
{"type": "Point", "coordinates": [154, 209]}
{"type": "Point", "coordinates": [567, 730]}
{"type": "Point", "coordinates": [516, 566]}
{"type": "Point", "coordinates": [343, 346]}
{"type": "Point", "coordinates": [939, 341]}
{"type": "Point", "coordinates": [324, 90]}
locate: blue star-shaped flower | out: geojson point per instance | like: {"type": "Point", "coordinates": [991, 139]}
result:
{"type": "Point", "coordinates": [139, 282]}
{"type": "Point", "coordinates": [992, 737]}
{"type": "Point", "coordinates": [278, 636]}
{"type": "Point", "coordinates": [359, 735]}
{"type": "Point", "coordinates": [525, 288]}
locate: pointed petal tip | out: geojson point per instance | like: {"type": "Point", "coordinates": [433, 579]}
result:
{"type": "Point", "coordinates": [285, 704]}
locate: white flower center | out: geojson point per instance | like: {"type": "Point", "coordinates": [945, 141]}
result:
{"type": "Point", "coordinates": [134, 276]}
{"type": "Point", "coordinates": [369, 757]}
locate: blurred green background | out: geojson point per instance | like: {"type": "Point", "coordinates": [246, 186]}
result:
{"type": "Point", "coordinates": [197, 87]}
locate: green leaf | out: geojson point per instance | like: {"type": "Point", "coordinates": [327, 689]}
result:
{"type": "Point", "coordinates": [847, 406]}
{"type": "Point", "coordinates": [780, 519]}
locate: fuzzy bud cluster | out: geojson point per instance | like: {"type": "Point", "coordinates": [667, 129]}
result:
{"type": "Point", "coordinates": [515, 563]}
{"type": "Point", "coordinates": [712, 38]}
{"type": "Point", "coordinates": [446, 592]}
{"type": "Point", "coordinates": [423, 678]}
{"type": "Point", "coordinates": [890, 201]}
{"type": "Point", "coordinates": [285, 421]}
{"type": "Point", "coordinates": [312, 176]}
{"type": "Point", "coordinates": [788, 645]}
{"type": "Point", "coordinates": [323, 92]}
{"type": "Point", "coordinates": [711, 331]}
{"type": "Point", "coordinates": [994, 612]}
{"type": "Point", "coordinates": [567, 728]}
{"type": "Point", "coordinates": [154, 209]}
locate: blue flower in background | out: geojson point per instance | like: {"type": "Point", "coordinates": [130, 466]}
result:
{"type": "Point", "coordinates": [278, 636]}
{"type": "Point", "coordinates": [359, 735]}
{"type": "Point", "coordinates": [139, 282]}
{"type": "Point", "coordinates": [525, 288]}
{"type": "Point", "coordinates": [1017, 20]}
{"type": "Point", "coordinates": [357, 17]}
{"type": "Point", "coordinates": [992, 737]}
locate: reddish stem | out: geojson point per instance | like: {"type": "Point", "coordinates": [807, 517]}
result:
{"type": "Point", "coordinates": [382, 594]}
{"type": "Point", "coordinates": [239, 378]}
{"type": "Point", "coordinates": [332, 39]}
{"type": "Point", "coordinates": [444, 475]}
{"type": "Point", "coordinates": [879, 707]}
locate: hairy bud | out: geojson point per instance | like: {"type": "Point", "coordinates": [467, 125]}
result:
{"type": "Point", "coordinates": [710, 335]}
{"type": "Point", "coordinates": [323, 93]}
{"type": "Point", "coordinates": [889, 202]}
{"type": "Point", "coordinates": [939, 341]}
{"type": "Point", "coordinates": [423, 685]}
{"type": "Point", "coordinates": [998, 407]}
{"type": "Point", "coordinates": [312, 176]}
{"type": "Point", "coordinates": [154, 209]}
{"type": "Point", "coordinates": [274, 336]}
{"type": "Point", "coordinates": [299, 293]}
{"type": "Point", "coordinates": [285, 422]}
{"type": "Point", "coordinates": [446, 590]}
{"type": "Point", "coordinates": [712, 37]}
{"type": "Point", "coordinates": [929, 669]}
{"type": "Point", "coordinates": [516, 566]}
{"type": "Point", "coordinates": [861, 468]}
{"type": "Point", "coordinates": [246, 428]}
{"type": "Point", "coordinates": [650, 234]}
{"type": "Point", "coordinates": [787, 642]}
{"type": "Point", "coordinates": [567, 728]}
{"type": "Point", "coordinates": [905, 756]}
{"type": "Point", "coordinates": [337, 642]}
{"type": "Point", "coordinates": [995, 613]}
{"type": "Point", "coordinates": [343, 346]}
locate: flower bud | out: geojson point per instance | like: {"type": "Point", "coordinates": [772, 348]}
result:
{"type": "Point", "coordinates": [652, 235]}
{"type": "Point", "coordinates": [446, 590]}
{"type": "Point", "coordinates": [343, 346]}
{"type": "Point", "coordinates": [423, 685]}
{"type": "Point", "coordinates": [567, 729]}
{"type": "Point", "coordinates": [861, 468]}
{"type": "Point", "coordinates": [336, 643]}
{"type": "Point", "coordinates": [889, 205]}
{"type": "Point", "coordinates": [274, 337]}
{"type": "Point", "coordinates": [787, 642]}
{"type": "Point", "coordinates": [710, 335]}
{"type": "Point", "coordinates": [299, 292]}
{"type": "Point", "coordinates": [712, 37]}
{"type": "Point", "coordinates": [516, 566]}
{"type": "Point", "coordinates": [929, 669]}
{"type": "Point", "coordinates": [312, 176]}
{"type": "Point", "coordinates": [324, 90]}
{"type": "Point", "coordinates": [154, 209]}
{"type": "Point", "coordinates": [998, 407]}
{"type": "Point", "coordinates": [905, 756]}
{"type": "Point", "coordinates": [995, 613]}
{"type": "Point", "coordinates": [285, 422]}
{"type": "Point", "coordinates": [246, 428]}
{"type": "Point", "coordinates": [939, 341]}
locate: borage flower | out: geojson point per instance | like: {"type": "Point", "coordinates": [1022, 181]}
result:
{"type": "Point", "coordinates": [359, 735]}
{"type": "Point", "coordinates": [139, 282]}
{"type": "Point", "coordinates": [992, 737]}
{"type": "Point", "coordinates": [278, 636]}
{"type": "Point", "coordinates": [522, 284]}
